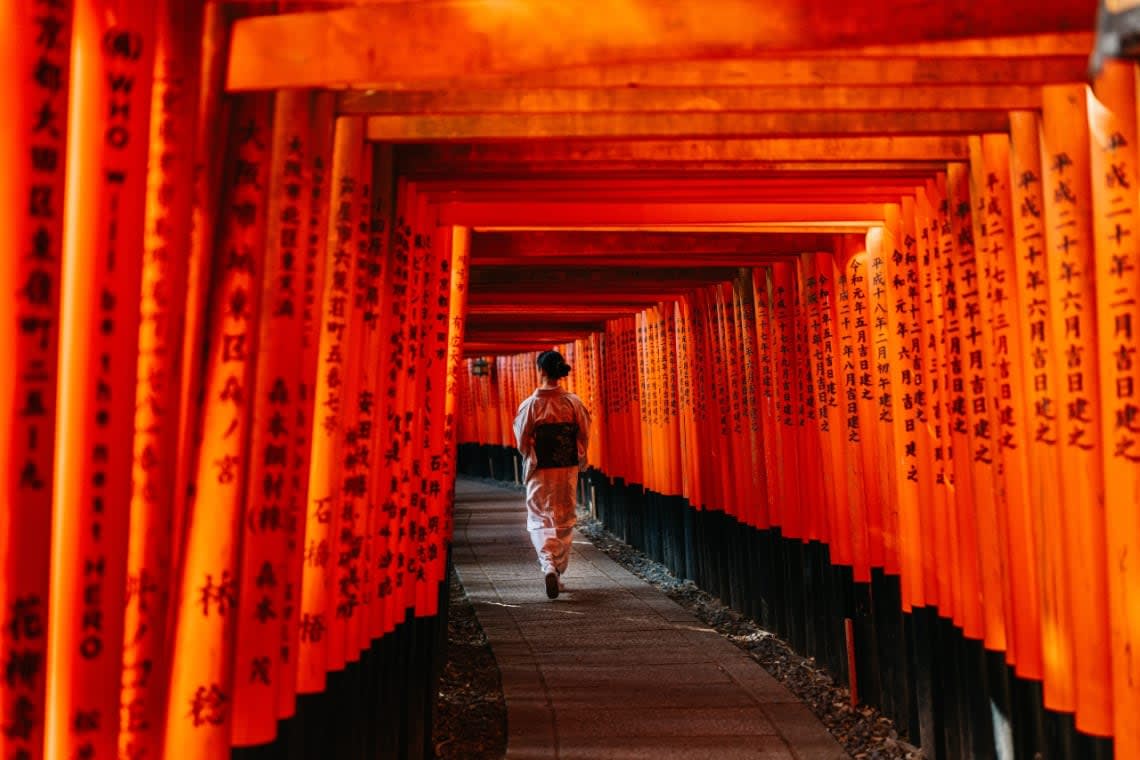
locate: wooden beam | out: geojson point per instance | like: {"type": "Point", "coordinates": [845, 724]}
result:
{"type": "Point", "coordinates": [813, 98]}
{"type": "Point", "coordinates": [594, 249]}
{"type": "Point", "coordinates": [624, 301]}
{"type": "Point", "coordinates": [492, 308]}
{"type": "Point", "coordinates": [426, 41]}
{"type": "Point", "coordinates": [617, 278]}
{"type": "Point", "coordinates": [699, 124]}
{"type": "Point", "coordinates": [460, 157]}
{"type": "Point", "coordinates": [827, 70]}
{"type": "Point", "coordinates": [538, 215]}
{"type": "Point", "coordinates": [419, 166]}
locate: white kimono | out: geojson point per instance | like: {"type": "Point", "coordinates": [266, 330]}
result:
{"type": "Point", "coordinates": [551, 492]}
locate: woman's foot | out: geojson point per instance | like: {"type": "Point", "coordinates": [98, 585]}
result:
{"type": "Point", "coordinates": [552, 585]}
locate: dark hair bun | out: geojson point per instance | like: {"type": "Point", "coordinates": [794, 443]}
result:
{"type": "Point", "coordinates": [553, 364]}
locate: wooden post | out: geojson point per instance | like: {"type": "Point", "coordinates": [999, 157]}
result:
{"type": "Point", "coordinates": [112, 69]}
{"type": "Point", "coordinates": [170, 200]}
{"type": "Point", "coordinates": [32, 192]}
{"type": "Point", "coordinates": [1116, 221]}
{"type": "Point", "coordinates": [200, 705]}
{"type": "Point", "coordinates": [1071, 273]}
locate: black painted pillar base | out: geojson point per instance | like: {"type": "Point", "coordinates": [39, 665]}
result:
{"type": "Point", "coordinates": [378, 708]}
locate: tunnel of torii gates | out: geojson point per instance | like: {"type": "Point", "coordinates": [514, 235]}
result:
{"type": "Point", "coordinates": [850, 290]}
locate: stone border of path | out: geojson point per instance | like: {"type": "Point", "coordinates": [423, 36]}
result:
{"type": "Point", "coordinates": [614, 668]}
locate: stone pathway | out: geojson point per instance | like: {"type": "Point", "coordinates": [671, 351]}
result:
{"type": "Point", "coordinates": [613, 669]}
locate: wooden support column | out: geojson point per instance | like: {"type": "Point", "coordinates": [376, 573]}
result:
{"type": "Point", "coordinates": [310, 259]}
{"type": "Point", "coordinates": [35, 83]}
{"type": "Point", "coordinates": [908, 408]}
{"type": "Point", "coordinates": [277, 374]}
{"type": "Point", "coordinates": [849, 267]}
{"type": "Point", "coordinates": [1071, 274]}
{"type": "Point", "coordinates": [962, 509]}
{"type": "Point", "coordinates": [112, 69]}
{"type": "Point", "coordinates": [321, 637]}
{"type": "Point", "coordinates": [997, 258]}
{"type": "Point", "coordinates": [879, 305]}
{"type": "Point", "coordinates": [1116, 222]}
{"type": "Point", "coordinates": [199, 713]}
{"type": "Point", "coordinates": [169, 208]}
{"type": "Point", "coordinates": [1042, 402]}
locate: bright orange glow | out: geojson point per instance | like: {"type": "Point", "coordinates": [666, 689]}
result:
{"type": "Point", "coordinates": [199, 715]}
{"type": "Point", "coordinates": [1114, 169]}
{"type": "Point", "coordinates": [106, 195]}
{"type": "Point", "coordinates": [1071, 275]}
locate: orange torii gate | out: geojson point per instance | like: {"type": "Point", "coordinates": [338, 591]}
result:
{"type": "Point", "coordinates": [850, 294]}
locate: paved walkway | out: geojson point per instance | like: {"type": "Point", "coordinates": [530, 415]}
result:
{"type": "Point", "coordinates": [614, 669]}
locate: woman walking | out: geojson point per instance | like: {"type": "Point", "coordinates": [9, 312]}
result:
{"type": "Point", "coordinates": [552, 429]}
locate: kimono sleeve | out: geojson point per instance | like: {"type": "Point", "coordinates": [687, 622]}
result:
{"type": "Point", "coordinates": [524, 427]}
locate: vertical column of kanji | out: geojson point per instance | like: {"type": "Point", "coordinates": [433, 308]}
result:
{"type": "Point", "coordinates": [174, 110]}
{"type": "Point", "coordinates": [766, 398]}
{"type": "Point", "coordinates": [1116, 218]}
{"type": "Point", "coordinates": [950, 576]}
{"type": "Point", "coordinates": [350, 532]}
{"type": "Point", "coordinates": [311, 249]}
{"type": "Point", "coordinates": [851, 476]}
{"type": "Point", "coordinates": [349, 185]}
{"type": "Point", "coordinates": [318, 603]}
{"type": "Point", "coordinates": [735, 489]}
{"type": "Point", "coordinates": [699, 341]}
{"type": "Point", "coordinates": [905, 367]}
{"type": "Point", "coordinates": [915, 234]}
{"type": "Point", "coordinates": [656, 416]}
{"type": "Point", "coordinates": [35, 53]}
{"type": "Point", "coordinates": [996, 276]}
{"type": "Point", "coordinates": [689, 462]}
{"type": "Point", "coordinates": [960, 500]}
{"type": "Point", "coordinates": [636, 473]}
{"type": "Point", "coordinates": [107, 147]}
{"type": "Point", "coordinates": [809, 454]}
{"type": "Point", "coordinates": [1073, 311]}
{"type": "Point", "coordinates": [651, 403]}
{"type": "Point", "coordinates": [757, 484]}
{"type": "Point", "coordinates": [424, 271]}
{"type": "Point", "coordinates": [719, 431]}
{"type": "Point", "coordinates": [743, 494]}
{"type": "Point", "coordinates": [456, 318]}
{"type": "Point", "coordinates": [980, 411]}
{"type": "Point", "coordinates": [669, 406]}
{"type": "Point", "coordinates": [276, 377]}
{"type": "Point", "coordinates": [783, 316]}
{"type": "Point", "coordinates": [832, 394]}
{"type": "Point", "coordinates": [819, 422]}
{"type": "Point", "coordinates": [373, 371]}
{"type": "Point", "coordinates": [858, 267]}
{"type": "Point", "coordinates": [599, 443]}
{"type": "Point", "coordinates": [437, 368]}
{"type": "Point", "coordinates": [880, 243]}
{"type": "Point", "coordinates": [616, 370]}
{"type": "Point", "coordinates": [398, 409]}
{"type": "Point", "coordinates": [200, 701]}
{"type": "Point", "coordinates": [938, 557]}
{"type": "Point", "coordinates": [644, 449]}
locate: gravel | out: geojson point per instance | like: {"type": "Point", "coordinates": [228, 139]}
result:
{"type": "Point", "coordinates": [470, 721]}
{"type": "Point", "coordinates": [471, 713]}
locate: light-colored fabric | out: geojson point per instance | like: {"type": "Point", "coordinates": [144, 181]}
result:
{"type": "Point", "coordinates": [551, 493]}
{"type": "Point", "coordinates": [550, 515]}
